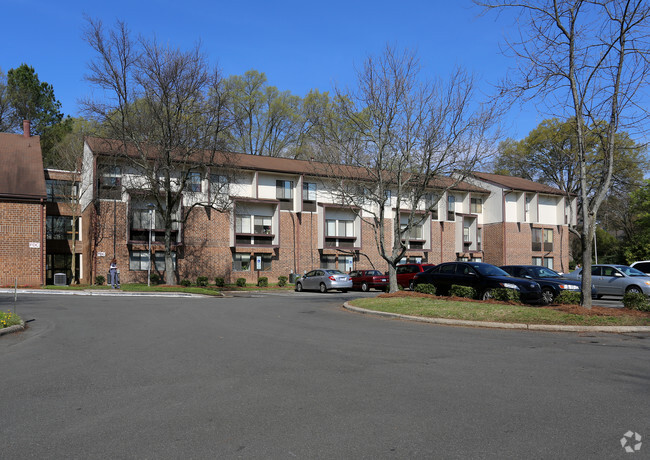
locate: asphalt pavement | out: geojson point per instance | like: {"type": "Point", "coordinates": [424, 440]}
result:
{"type": "Point", "coordinates": [291, 375]}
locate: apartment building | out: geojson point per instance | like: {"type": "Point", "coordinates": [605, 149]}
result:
{"type": "Point", "coordinates": [284, 217]}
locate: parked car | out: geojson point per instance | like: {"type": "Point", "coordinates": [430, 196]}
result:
{"type": "Point", "coordinates": [368, 279]}
{"type": "Point", "coordinates": [551, 282]}
{"type": "Point", "coordinates": [406, 273]}
{"type": "Point", "coordinates": [615, 279]}
{"type": "Point", "coordinates": [481, 276]}
{"type": "Point", "coordinates": [324, 279]}
{"type": "Point", "coordinates": [643, 265]}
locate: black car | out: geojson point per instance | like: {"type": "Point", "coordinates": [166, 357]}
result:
{"type": "Point", "coordinates": [481, 276]}
{"type": "Point", "coordinates": [551, 282]}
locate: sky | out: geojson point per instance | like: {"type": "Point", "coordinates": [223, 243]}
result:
{"type": "Point", "coordinates": [298, 45]}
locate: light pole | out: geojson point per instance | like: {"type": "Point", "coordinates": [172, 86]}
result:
{"type": "Point", "coordinates": [150, 206]}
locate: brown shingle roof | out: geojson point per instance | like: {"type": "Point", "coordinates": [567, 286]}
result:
{"type": "Point", "coordinates": [517, 183]}
{"type": "Point", "coordinates": [21, 167]}
{"type": "Point", "coordinates": [273, 164]}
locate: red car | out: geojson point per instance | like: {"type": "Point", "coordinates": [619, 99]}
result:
{"type": "Point", "coordinates": [368, 279]}
{"type": "Point", "coordinates": [406, 273]}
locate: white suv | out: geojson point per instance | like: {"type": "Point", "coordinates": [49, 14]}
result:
{"type": "Point", "coordinates": [643, 265]}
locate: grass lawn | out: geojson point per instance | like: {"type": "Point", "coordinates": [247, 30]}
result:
{"type": "Point", "coordinates": [434, 307]}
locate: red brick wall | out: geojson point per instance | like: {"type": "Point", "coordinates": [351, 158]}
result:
{"type": "Point", "coordinates": [21, 224]}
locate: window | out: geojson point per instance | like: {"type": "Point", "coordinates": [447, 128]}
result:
{"type": "Point", "coordinates": [308, 191]}
{"type": "Point", "coordinates": [242, 224]}
{"type": "Point", "coordinates": [528, 198]}
{"type": "Point", "coordinates": [479, 231]}
{"type": "Point", "coordinates": [451, 207]}
{"type": "Point", "coordinates": [159, 261]}
{"type": "Point", "coordinates": [194, 182]}
{"type": "Point", "coordinates": [110, 183]}
{"type": "Point", "coordinates": [536, 239]}
{"type": "Point", "coordinates": [328, 261]}
{"type": "Point", "coordinates": [477, 259]}
{"type": "Point", "coordinates": [60, 191]}
{"type": "Point", "coordinates": [284, 189]}
{"type": "Point", "coordinates": [466, 235]}
{"type": "Point", "coordinates": [60, 228]}
{"type": "Point", "coordinates": [241, 262]}
{"type": "Point", "coordinates": [262, 225]}
{"type": "Point", "coordinates": [387, 196]}
{"type": "Point", "coordinates": [548, 239]}
{"type": "Point", "coordinates": [346, 263]}
{"type": "Point", "coordinates": [138, 260]}
{"type": "Point", "coordinates": [537, 261]}
{"type": "Point", "coordinates": [414, 234]}
{"type": "Point", "coordinates": [476, 206]}
{"type": "Point", "coordinates": [336, 227]}
{"type": "Point", "coordinates": [548, 262]}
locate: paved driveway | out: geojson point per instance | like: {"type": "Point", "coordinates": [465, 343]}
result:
{"type": "Point", "coordinates": [295, 376]}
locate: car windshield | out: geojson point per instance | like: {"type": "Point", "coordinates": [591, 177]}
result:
{"type": "Point", "coordinates": [334, 272]}
{"type": "Point", "coordinates": [373, 272]}
{"type": "Point", "coordinates": [543, 272]}
{"type": "Point", "coordinates": [489, 270]}
{"type": "Point", "coordinates": [629, 271]}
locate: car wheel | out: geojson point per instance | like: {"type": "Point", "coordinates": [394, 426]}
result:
{"type": "Point", "coordinates": [633, 289]}
{"type": "Point", "coordinates": [412, 286]}
{"type": "Point", "coordinates": [364, 287]}
{"type": "Point", "coordinates": [599, 296]}
{"type": "Point", "coordinates": [299, 287]}
{"type": "Point", "coordinates": [487, 295]}
{"type": "Point", "coordinates": [344, 291]}
{"type": "Point", "coordinates": [323, 288]}
{"type": "Point", "coordinates": [547, 296]}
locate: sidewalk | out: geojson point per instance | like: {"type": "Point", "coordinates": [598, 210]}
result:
{"type": "Point", "coordinates": [100, 292]}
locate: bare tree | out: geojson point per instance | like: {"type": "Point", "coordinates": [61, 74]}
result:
{"type": "Point", "coordinates": [402, 140]}
{"type": "Point", "coordinates": [166, 109]}
{"type": "Point", "coordinates": [586, 60]}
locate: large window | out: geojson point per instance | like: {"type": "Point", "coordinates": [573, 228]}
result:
{"type": "Point", "coordinates": [139, 260]}
{"type": "Point", "coordinates": [536, 239]}
{"type": "Point", "coordinates": [60, 191]}
{"type": "Point", "coordinates": [415, 233]}
{"type": "Point", "coordinates": [537, 261]}
{"type": "Point", "coordinates": [194, 182]}
{"type": "Point", "coordinates": [253, 230]}
{"type": "Point", "coordinates": [528, 199]}
{"type": "Point", "coordinates": [262, 225]}
{"type": "Point", "coordinates": [346, 263]}
{"type": "Point", "coordinates": [284, 189]}
{"type": "Point", "coordinates": [241, 262]}
{"type": "Point", "coordinates": [60, 228]}
{"type": "Point", "coordinates": [110, 183]}
{"type": "Point", "coordinates": [328, 261]}
{"type": "Point", "coordinates": [451, 207]}
{"type": "Point", "coordinates": [548, 239]}
{"type": "Point", "coordinates": [336, 227]}
{"type": "Point", "coordinates": [242, 224]}
{"type": "Point", "coordinates": [264, 262]}
{"type": "Point", "coordinates": [476, 206]}
{"type": "Point", "coordinates": [548, 262]}
{"type": "Point", "coordinates": [308, 191]}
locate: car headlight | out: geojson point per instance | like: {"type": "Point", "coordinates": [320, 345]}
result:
{"type": "Point", "coordinates": [510, 286]}
{"type": "Point", "coordinates": [570, 287]}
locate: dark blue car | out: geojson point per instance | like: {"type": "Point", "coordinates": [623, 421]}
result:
{"type": "Point", "coordinates": [551, 282]}
{"type": "Point", "coordinates": [481, 276]}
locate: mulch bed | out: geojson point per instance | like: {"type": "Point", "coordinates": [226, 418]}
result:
{"type": "Point", "coordinates": [572, 309]}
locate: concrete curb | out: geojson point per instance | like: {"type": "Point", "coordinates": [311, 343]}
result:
{"type": "Point", "coordinates": [105, 293]}
{"type": "Point", "coordinates": [489, 324]}
{"type": "Point", "coordinates": [10, 329]}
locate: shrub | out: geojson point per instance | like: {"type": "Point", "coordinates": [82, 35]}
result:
{"type": "Point", "coordinates": [426, 288]}
{"type": "Point", "coordinates": [462, 291]}
{"type": "Point", "coordinates": [186, 283]}
{"type": "Point", "coordinates": [99, 280]}
{"type": "Point", "coordinates": [220, 282]}
{"type": "Point", "coordinates": [154, 278]}
{"type": "Point", "coordinates": [282, 281]}
{"type": "Point", "coordinates": [8, 319]}
{"type": "Point", "coordinates": [241, 282]}
{"type": "Point", "coordinates": [506, 295]}
{"type": "Point", "coordinates": [202, 281]}
{"type": "Point", "coordinates": [636, 301]}
{"type": "Point", "coordinates": [568, 298]}
{"type": "Point", "coordinates": [263, 281]}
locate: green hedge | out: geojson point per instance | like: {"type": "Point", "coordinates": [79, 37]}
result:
{"type": "Point", "coordinates": [462, 291]}
{"type": "Point", "coordinates": [636, 301]}
{"type": "Point", "coordinates": [202, 281]}
{"type": "Point", "coordinates": [219, 282]}
{"type": "Point", "coordinates": [426, 288]}
{"type": "Point", "coordinates": [241, 282]}
{"type": "Point", "coordinates": [569, 298]}
{"type": "Point", "coordinates": [263, 281]}
{"type": "Point", "coordinates": [282, 281]}
{"type": "Point", "coordinates": [154, 278]}
{"type": "Point", "coordinates": [100, 280]}
{"type": "Point", "coordinates": [186, 283]}
{"type": "Point", "coordinates": [506, 295]}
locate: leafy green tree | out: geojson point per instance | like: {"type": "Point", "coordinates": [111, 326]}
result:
{"type": "Point", "coordinates": [5, 107]}
{"type": "Point", "coordinates": [637, 244]}
{"type": "Point", "coordinates": [265, 120]}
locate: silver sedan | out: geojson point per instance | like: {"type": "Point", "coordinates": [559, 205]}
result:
{"type": "Point", "coordinates": [324, 279]}
{"type": "Point", "coordinates": [615, 279]}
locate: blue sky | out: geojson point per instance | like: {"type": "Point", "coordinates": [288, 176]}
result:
{"type": "Point", "coordinates": [299, 45]}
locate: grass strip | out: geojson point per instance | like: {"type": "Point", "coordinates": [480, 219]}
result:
{"type": "Point", "coordinates": [477, 311]}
